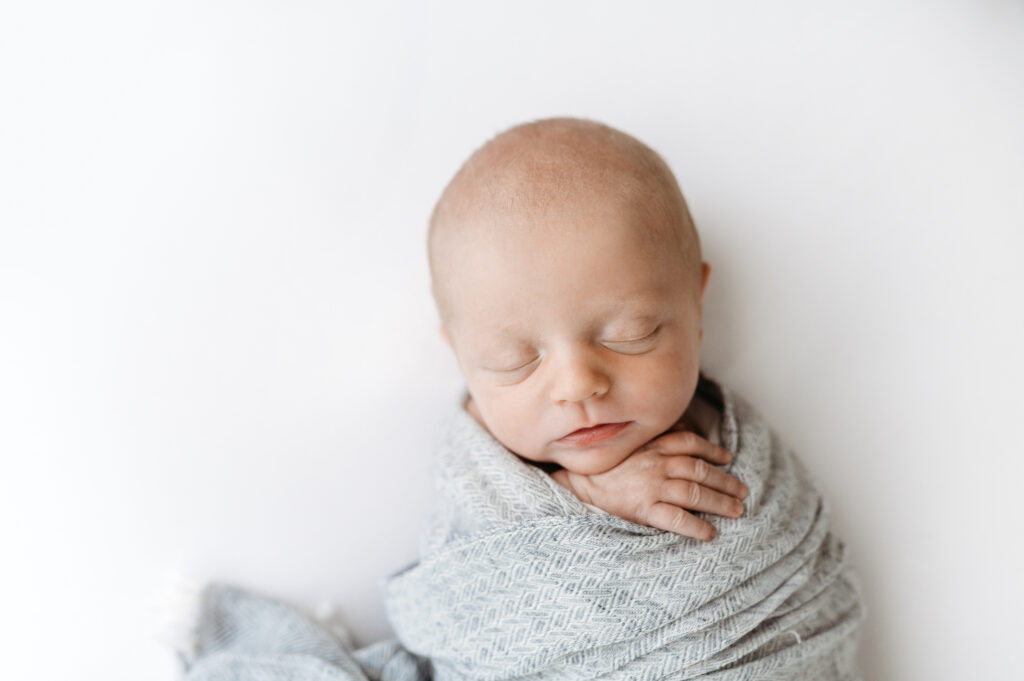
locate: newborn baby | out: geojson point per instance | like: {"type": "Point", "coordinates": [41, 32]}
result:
{"type": "Point", "coordinates": [569, 542]}
{"type": "Point", "coordinates": [569, 279]}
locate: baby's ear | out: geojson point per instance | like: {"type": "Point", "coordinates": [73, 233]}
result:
{"type": "Point", "coordinates": [705, 274]}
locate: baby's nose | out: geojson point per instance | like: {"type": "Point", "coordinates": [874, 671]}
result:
{"type": "Point", "coordinates": [577, 380]}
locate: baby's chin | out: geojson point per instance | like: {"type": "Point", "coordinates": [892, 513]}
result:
{"type": "Point", "coordinates": [591, 460]}
{"type": "Point", "coordinates": [591, 467]}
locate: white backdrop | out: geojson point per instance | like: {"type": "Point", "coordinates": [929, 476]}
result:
{"type": "Point", "coordinates": [218, 356]}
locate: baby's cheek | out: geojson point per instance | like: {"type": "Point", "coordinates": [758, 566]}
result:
{"type": "Point", "coordinates": [510, 422]}
{"type": "Point", "coordinates": [666, 391]}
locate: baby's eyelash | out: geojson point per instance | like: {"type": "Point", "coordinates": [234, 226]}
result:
{"type": "Point", "coordinates": [635, 340]}
{"type": "Point", "coordinates": [516, 368]}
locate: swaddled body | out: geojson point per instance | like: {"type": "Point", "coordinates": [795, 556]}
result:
{"type": "Point", "coordinates": [568, 274]}
{"type": "Point", "coordinates": [519, 579]}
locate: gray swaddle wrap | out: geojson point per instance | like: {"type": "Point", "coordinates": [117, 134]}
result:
{"type": "Point", "coordinates": [518, 579]}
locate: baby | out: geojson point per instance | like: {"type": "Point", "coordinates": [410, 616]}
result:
{"type": "Point", "coordinates": [569, 281]}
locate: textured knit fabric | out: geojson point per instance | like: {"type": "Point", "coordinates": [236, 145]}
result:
{"type": "Point", "coordinates": [518, 579]}
{"type": "Point", "coordinates": [237, 635]}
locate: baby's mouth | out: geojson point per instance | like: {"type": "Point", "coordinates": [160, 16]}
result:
{"type": "Point", "coordinates": [594, 434]}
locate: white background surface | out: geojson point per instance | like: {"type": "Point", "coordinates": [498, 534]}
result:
{"type": "Point", "coordinates": [219, 357]}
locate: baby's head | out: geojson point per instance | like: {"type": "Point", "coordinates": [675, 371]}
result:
{"type": "Point", "coordinates": [568, 276]}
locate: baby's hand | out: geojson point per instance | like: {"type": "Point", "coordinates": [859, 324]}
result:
{"type": "Point", "coordinates": [656, 482]}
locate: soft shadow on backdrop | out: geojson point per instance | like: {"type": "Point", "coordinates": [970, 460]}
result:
{"type": "Point", "coordinates": [219, 356]}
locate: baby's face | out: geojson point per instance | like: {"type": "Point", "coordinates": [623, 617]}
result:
{"type": "Point", "coordinates": [578, 342]}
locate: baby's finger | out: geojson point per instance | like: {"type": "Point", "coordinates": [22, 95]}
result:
{"type": "Point", "coordinates": [700, 471]}
{"type": "Point", "coordinates": [696, 497]}
{"type": "Point", "coordinates": [674, 519]}
{"type": "Point", "coordinates": [687, 442]}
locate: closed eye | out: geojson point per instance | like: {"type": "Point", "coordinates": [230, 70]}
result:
{"type": "Point", "coordinates": [633, 345]}
{"type": "Point", "coordinates": [517, 367]}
